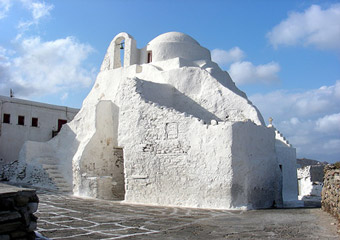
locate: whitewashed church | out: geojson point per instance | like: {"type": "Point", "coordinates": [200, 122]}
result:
{"type": "Point", "coordinates": [167, 127]}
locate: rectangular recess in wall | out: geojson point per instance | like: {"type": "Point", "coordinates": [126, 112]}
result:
{"type": "Point", "coordinates": [61, 122]}
{"type": "Point", "coordinates": [21, 120]}
{"type": "Point", "coordinates": [149, 57]}
{"type": "Point", "coordinates": [7, 118]}
{"type": "Point", "coordinates": [34, 122]}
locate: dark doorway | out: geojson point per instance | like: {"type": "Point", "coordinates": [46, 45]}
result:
{"type": "Point", "coordinates": [149, 57]}
{"type": "Point", "coordinates": [61, 122]}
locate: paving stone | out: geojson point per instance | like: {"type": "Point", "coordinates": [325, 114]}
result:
{"type": "Point", "coordinates": [67, 217]}
{"type": "Point", "coordinates": [63, 233]}
{"type": "Point", "coordinates": [105, 227]}
{"type": "Point", "coordinates": [10, 226]}
{"type": "Point", "coordinates": [9, 215]}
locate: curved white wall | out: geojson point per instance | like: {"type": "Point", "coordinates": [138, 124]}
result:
{"type": "Point", "coordinates": [187, 50]}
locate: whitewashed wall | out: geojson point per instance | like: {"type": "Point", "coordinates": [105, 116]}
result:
{"type": "Point", "coordinates": [310, 182]}
{"type": "Point", "coordinates": [189, 136]}
{"type": "Point", "coordinates": [13, 136]}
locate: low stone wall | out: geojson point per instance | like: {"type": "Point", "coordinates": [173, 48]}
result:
{"type": "Point", "coordinates": [17, 206]}
{"type": "Point", "coordinates": [331, 190]}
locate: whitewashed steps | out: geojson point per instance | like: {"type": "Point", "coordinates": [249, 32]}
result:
{"type": "Point", "coordinates": [280, 137]}
{"type": "Point", "coordinates": [58, 179]}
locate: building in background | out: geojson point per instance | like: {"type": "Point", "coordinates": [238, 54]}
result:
{"type": "Point", "coordinates": [22, 120]}
{"type": "Point", "coordinates": [310, 180]}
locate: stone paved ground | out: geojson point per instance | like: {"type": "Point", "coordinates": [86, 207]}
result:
{"type": "Point", "coordinates": [67, 217]}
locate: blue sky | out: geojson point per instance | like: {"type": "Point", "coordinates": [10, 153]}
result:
{"type": "Point", "coordinates": [284, 54]}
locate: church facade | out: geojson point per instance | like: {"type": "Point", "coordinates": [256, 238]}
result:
{"type": "Point", "coordinates": [164, 125]}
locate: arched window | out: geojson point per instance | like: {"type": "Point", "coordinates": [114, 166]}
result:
{"type": "Point", "coordinates": [119, 52]}
{"type": "Point", "coordinates": [122, 51]}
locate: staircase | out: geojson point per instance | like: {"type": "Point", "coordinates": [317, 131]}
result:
{"type": "Point", "coordinates": [50, 166]}
{"type": "Point", "coordinates": [280, 137]}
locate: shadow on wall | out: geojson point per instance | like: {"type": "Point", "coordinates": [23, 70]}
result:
{"type": "Point", "coordinates": [311, 201]}
{"type": "Point", "coordinates": [257, 180]}
{"type": "Point", "coordinates": [168, 96]}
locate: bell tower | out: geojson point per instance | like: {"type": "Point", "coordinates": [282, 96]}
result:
{"type": "Point", "coordinates": [121, 41]}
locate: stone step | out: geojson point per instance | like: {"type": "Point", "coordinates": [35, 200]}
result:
{"type": "Point", "coordinates": [55, 175]}
{"type": "Point", "coordinates": [49, 160]}
{"type": "Point", "coordinates": [65, 190]}
{"type": "Point", "coordinates": [52, 171]}
{"type": "Point", "coordinates": [62, 185]}
{"type": "Point", "coordinates": [60, 182]}
{"type": "Point", "coordinates": [49, 166]}
{"type": "Point", "coordinates": [60, 179]}
{"type": "Point", "coordinates": [50, 163]}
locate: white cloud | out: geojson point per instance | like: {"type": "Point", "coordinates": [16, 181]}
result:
{"type": "Point", "coordinates": [310, 120]}
{"type": "Point", "coordinates": [3, 54]}
{"type": "Point", "coordinates": [223, 57]}
{"type": "Point", "coordinates": [4, 8]}
{"type": "Point", "coordinates": [314, 27]}
{"type": "Point", "coordinates": [294, 121]}
{"type": "Point", "coordinates": [311, 103]}
{"type": "Point", "coordinates": [246, 72]}
{"type": "Point", "coordinates": [38, 10]}
{"type": "Point", "coordinates": [329, 124]}
{"type": "Point", "coordinates": [46, 67]}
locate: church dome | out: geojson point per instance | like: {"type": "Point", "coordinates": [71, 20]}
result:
{"type": "Point", "coordinates": [173, 37]}
{"type": "Point", "coordinates": [176, 45]}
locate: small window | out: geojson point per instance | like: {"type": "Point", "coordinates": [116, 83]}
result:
{"type": "Point", "coordinates": [21, 120]}
{"type": "Point", "coordinates": [149, 57]}
{"type": "Point", "coordinates": [34, 122]}
{"type": "Point", "coordinates": [61, 122]}
{"type": "Point", "coordinates": [7, 118]}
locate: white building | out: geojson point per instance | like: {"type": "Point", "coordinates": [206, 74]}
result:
{"type": "Point", "coordinates": [22, 120]}
{"type": "Point", "coordinates": [310, 179]}
{"type": "Point", "coordinates": [286, 157]}
{"type": "Point", "coordinates": [168, 128]}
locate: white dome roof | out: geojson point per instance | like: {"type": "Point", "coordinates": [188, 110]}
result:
{"type": "Point", "coordinates": [173, 37]}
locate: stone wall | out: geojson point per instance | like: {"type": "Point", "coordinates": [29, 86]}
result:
{"type": "Point", "coordinates": [331, 190]}
{"type": "Point", "coordinates": [17, 206]}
